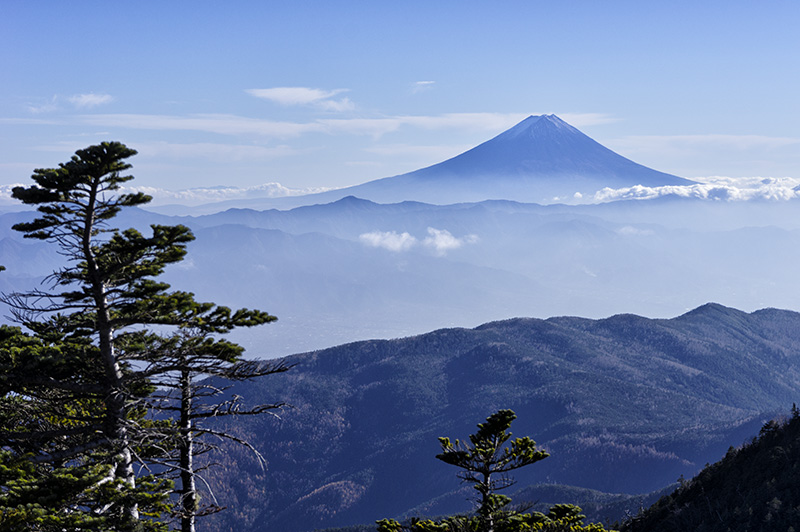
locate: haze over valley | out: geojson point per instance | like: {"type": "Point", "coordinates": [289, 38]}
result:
{"type": "Point", "coordinates": [343, 268]}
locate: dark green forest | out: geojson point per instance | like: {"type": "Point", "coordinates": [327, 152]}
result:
{"type": "Point", "coordinates": [103, 404]}
{"type": "Point", "coordinates": [755, 488]}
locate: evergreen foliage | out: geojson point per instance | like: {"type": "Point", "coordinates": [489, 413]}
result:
{"type": "Point", "coordinates": [484, 462]}
{"type": "Point", "coordinates": [752, 489]}
{"type": "Point", "coordinates": [78, 400]}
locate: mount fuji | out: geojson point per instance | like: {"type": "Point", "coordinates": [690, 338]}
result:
{"type": "Point", "coordinates": [541, 160]}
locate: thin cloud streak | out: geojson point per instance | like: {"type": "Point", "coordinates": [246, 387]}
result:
{"type": "Point", "coordinates": [237, 125]}
{"type": "Point", "coordinates": [85, 101]}
{"type": "Point", "coordinates": [319, 98]}
{"type": "Point", "coordinates": [209, 123]}
{"type": "Point", "coordinates": [410, 150]}
{"type": "Point", "coordinates": [203, 195]}
{"type": "Point", "coordinates": [422, 86]}
{"type": "Point", "coordinates": [214, 151]}
{"type": "Point", "coordinates": [734, 141]}
{"type": "Point", "coordinates": [195, 196]}
{"type": "Point", "coordinates": [226, 124]}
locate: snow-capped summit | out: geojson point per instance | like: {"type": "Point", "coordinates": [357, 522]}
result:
{"type": "Point", "coordinates": [542, 159]}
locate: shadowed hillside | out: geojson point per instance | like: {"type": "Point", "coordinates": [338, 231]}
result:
{"type": "Point", "coordinates": [624, 405]}
{"type": "Point", "coordinates": [753, 489]}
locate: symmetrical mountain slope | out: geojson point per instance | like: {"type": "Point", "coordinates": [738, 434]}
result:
{"type": "Point", "coordinates": [623, 404]}
{"type": "Point", "coordinates": [540, 160]}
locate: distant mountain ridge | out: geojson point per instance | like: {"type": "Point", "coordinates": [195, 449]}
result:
{"type": "Point", "coordinates": [311, 267]}
{"type": "Point", "coordinates": [624, 404]}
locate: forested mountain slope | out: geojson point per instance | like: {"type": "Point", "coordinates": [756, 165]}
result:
{"type": "Point", "coordinates": [624, 404]}
{"type": "Point", "coordinates": [752, 489]}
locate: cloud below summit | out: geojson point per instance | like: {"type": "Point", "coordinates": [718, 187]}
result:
{"type": "Point", "coordinates": [439, 241]}
{"type": "Point", "coordinates": [712, 188]}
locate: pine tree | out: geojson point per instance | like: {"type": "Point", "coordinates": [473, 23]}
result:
{"type": "Point", "coordinates": [84, 381]}
{"type": "Point", "coordinates": [184, 359]}
{"type": "Point", "coordinates": [485, 462]}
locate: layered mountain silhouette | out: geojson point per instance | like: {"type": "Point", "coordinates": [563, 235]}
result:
{"type": "Point", "coordinates": [623, 404]}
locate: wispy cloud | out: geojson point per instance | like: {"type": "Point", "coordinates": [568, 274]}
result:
{"type": "Point", "coordinates": [79, 101]}
{"type": "Point", "coordinates": [390, 240]}
{"type": "Point", "coordinates": [239, 125]}
{"type": "Point", "coordinates": [702, 142]}
{"type": "Point", "coordinates": [214, 151]}
{"type": "Point", "coordinates": [747, 153]}
{"type": "Point", "coordinates": [85, 101]}
{"type": "Point", "coordinates": [433, 152]}
{"type": "Point", "coordinates": [421, 86]}
{"type": "Point", "coordinates": [490, 122]}
{"type": "Point", "coordinates": [209, 123]}
{"type": "Point", "coordinates": [226, 124]}
{"type": "Point", "coordinates": [321, 99]}
{"type": "Point", "coordinates": [46, 106]}
{"type": "Point", "coordinates": [30, 121]}
{"type": "Point", "coordinates": [629, 230]}
{"type": "Point", "coordinates": [202, 195]}
{"type": "Point", "coordinates": [587, 119]}
{"type": "Point", "coordinates": [440, 241]}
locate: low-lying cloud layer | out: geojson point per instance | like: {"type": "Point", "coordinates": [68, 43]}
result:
{"type": "Point", "coordinates": [713, 188]}
{"type": "Point", "coordinates": [195, 196]}
{"type": "Point", "coordinates": [440, 241]}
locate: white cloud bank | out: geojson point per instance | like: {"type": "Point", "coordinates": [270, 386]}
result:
{"type": "Point", "coordinates": [713, 188]}
{"type": "Point", "coordinates": [5, 194]}
{"type": "Point", "coordinates": [439, 241]}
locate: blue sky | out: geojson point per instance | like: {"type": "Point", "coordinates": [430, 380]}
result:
{"type": "Point", "coordinates": [327, 93]}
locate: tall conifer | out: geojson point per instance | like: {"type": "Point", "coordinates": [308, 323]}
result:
{"type": "Point", "coordinates": [85, 379]}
